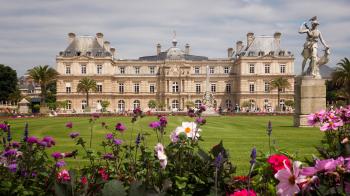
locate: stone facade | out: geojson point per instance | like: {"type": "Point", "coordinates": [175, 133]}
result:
{"type": "Point", "coordinates": [174, 76]}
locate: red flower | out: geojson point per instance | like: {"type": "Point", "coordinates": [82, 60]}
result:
{"type": "Point", "coordinates": [84, 180]}
{"type": "Point", "coordinates": [240, 178]}
{"type": "Point", "coordinates": [103, 174]}
{"type": "Point", "coordinates": [276, 162]}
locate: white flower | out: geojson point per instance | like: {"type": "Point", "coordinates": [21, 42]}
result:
{"type": "Point", "coordinates": [163, 159]}
{"type": "Point", "coordinates": [190, 129]}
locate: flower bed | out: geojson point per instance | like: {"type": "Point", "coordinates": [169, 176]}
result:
{"type": "Point", "coordinates": [182, 167]}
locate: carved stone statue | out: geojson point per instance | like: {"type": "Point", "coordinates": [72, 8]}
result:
{"type": "Point", "coordinates": [310, 48]}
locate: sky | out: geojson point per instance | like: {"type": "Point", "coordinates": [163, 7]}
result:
{"type": "Point", "coordinates": [33, 32]}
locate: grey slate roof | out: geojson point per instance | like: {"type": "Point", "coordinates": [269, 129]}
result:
{"type": "Point", "coordinates": [85, 45]}
{"type": "Point", "coordinates": [263, 45]}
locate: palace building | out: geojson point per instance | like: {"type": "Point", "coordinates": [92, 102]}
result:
{"type": "Point", "coordinates": [174, 77]}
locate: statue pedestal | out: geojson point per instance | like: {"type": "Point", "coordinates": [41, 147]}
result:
{"type": "Point", "coordinates": [210, 112]}
{"type": "Point", "coordinates": [309, 97]}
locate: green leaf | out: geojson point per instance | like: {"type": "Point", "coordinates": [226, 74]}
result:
{"type": "Point", "coordinates": [180, 182]}
{"type": "Point", "coordinates": [113, 188]}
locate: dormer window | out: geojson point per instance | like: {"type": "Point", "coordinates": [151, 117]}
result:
{"type": "Point", "coordinates": [78, 53]}
{"type": "Point", "coordinates": [88, 53]}
{"type": "Point", "coordinates": [251, 53]}
{"type": "Point", "coordinates": [281, 53]}
{"type": "Point", "coordinates": [261, 53]}
{"type": "Point", "coordinates": [271, 53]}
{"type": "Point", "coordinates": [98, 53]}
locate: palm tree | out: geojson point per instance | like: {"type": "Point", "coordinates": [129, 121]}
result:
{"type": "Point", "coordinates": [341, 77]}
{"type": "Point", "coordinates": [279, 83]}
{"type": "Point", "coordinates": [86, 85]}
{"type": "Point", "coordinates": [43, 75]}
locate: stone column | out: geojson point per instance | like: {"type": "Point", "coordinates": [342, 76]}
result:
{"type": "Point", "coordinates": [310, 97]}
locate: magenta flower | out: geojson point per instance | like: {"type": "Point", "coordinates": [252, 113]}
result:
{"type": "Point", "coordinates": [60, 163]}
{"type": "Point", "coordinates": [163, 121]}
{"type": "Point", "coordinates": [3, 127]}
{"type": "Point", "coordinates": [316, 117]}
{"type": "Point", "coordinates": [289, 180]}
{"type": "Point", "coordinates": [49, 140]}
{"type": "Point", "coordinates": [42, 143]}
{"type": "Point", "coordinates": [120, 127]}
{"type": "Point", "coordinates": [117, 142]}
{"type": "Point", "coordinates": [108, 156]}
{"type": "Point", "coordinates": [201, 121]}
{"type": "Point", "coordinates": [63, 175]}
{"type": "Point", "coordinates": [327, 165]}
{"type": "Point", "coordinates": [15, 144]}
{"type": "Point", "coordinates": [109, 136]}
{"type": "Point", "coordinates": [57, 155]}
{"type": "Point", "coordinates": [69, 125]}
{"type": "Point", "coordinates": [154, 124]}
{"type": "Point", "coordinates": [32, 140]}
{"type": "Point", "coordinates": [12, 167]}
{"type": "Point", "coordinates": [74, 135]}
{"type": "Point", "coordinates": [10, 152]}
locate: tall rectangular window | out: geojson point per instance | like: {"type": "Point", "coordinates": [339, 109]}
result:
{"type": "Point", "coordinates": [83, 69]}
{"type": "Point", "coordinates": [99, 88]}
{"type": "Point", "coordinates": [152, 70]}
{"type": "Point", "coordinates": [211, 70]}
{"type": "Point", "coordinates": [99, 69]}
{"type": "Point", "coordinates": [68, 88]}
{"type": "Point", "coordinates": [226, 70]}
{"type": "Point", "coordinates": [228, 88]}
{"type": "Point", "coordinates": [68, 69]}
{"type": "Point", "coordinates": [251, 87]}
{"type": "Point", "coordinates": [213, 87]}
{"type": "Point", "coordinates": [267, 87]}
{"type": "Point", "coordinates": [121, 87]}
{"type": "Point", "coordinates": [137, 70]}
{"type": "Point", "coordinates": [267, 69]}
{"type": "Point", "coordinates": [175, 87]}
{"type": "Point", "coordinates": [151, 88]}
{"type": "Point", "coordinates": [196, 70]}
{"type": "Point", "coordinates": [198, 88]}
{"type": "Point", "coordinates": [251, 68]}
{"type": "Point", "coordinates": [122, 70]}
{"type": "Point", "coordinates": [136, 88]}
{"type": "Point", "coordinates": [283, 68]}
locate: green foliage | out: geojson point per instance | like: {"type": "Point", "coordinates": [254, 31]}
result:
{"type": "Point", "coordinates": [279, 83]}
{"type": "Point", "coordinates": [112, 188]}
{"type": "Point", "coordinates": [289, 103]}
{"type": "Point", "coordinates": [341, 78]}
{"type": "Point", "coordinates": [161, 105]}
{"type": "Point", "coordinates": [152, 104]}
{"type": "Point", "coordinates": [86, 85]}
{"type": "Point", "coordinates": [8, 83]}
{"type": "Point", "coordinates": [246, 104]}
{"type": "Point", "coordinates": [189, 104]}
{"type": "Point", "coordinates": [43, 75]}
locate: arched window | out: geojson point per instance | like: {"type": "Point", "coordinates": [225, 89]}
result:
{"type": "Point", "coordinates": [69, 105]}
{"type": "Point", "coordinates": [121, 106]}
{"type": "Point", "coordinates": [252, 104]}
{"type": "Point", "coordinates": [136, 104]}
{"type": "Point", "coordinates": [83, 104]}
{"type": "Point", "coordinates": [215, 103]}
{"type": "Point", "coordinates": [198, 103]}
{"type": "Point", "coordinates": [175, 104]}
{"type": "Point", "coordinates": [228, 103]}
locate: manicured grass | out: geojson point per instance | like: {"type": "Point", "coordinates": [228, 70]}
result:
{"type": "Point", "coordinates": [239, 134]}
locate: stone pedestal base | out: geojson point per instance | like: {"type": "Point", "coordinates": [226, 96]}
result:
{"type": "Point", "coordinates": [310, 97]}
{"type": "Point", "coordinates": [210, 112]}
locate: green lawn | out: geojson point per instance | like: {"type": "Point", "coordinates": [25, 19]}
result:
{"type": "Point", "coordinates": [239, 133]}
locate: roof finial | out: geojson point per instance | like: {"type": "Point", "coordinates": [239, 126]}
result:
{"type": "Point", "coordinates": [174, 38]}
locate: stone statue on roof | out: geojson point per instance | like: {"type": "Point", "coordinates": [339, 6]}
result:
{"type": "Point", "coordinates": [310, 48]}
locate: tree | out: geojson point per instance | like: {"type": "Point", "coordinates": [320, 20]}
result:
{"type": "Point", "coordinates": [289, 103]}
{"type": "Point", "coordinates": [279, 83]}
{"type": "Point", "coordinates": [8, 82]}
{"type": "Point", "coordinates": [161, 105]}
{"type": "Point", "coordinates": [152, 104]}
{"type": "Point", "coordinates": [86, 85]}
{"type": "Point", "coordinates": [341, 78]}
{"type": "Point", "coordinates": [189, 104]}
{"type": "Point", "coordinates": [44, 76]}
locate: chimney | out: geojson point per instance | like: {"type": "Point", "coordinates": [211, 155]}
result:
{"type": "Point", "coordinates": [159, 48]}
{"type": "Point", "coordinates": [99, 37]}
{"type": "Point", "coordinates": [277, 37]}
{"type": "Point", "coordinates": [107, 45]}
{"type": "Point", "coordinates": [250, 38]}
{"type": "Point", "coordinates": [71, 37]}
{"type": "Point", "coordinates": [230, 52]}
{"type": "Point", "coordinates": [187, 49]}
{"type": "Point", "coordinates": [239, 46]}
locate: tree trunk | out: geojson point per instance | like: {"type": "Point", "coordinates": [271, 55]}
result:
{"type": "Point", "coordinates": [43, 94]}
{"type": "Point", "coordinates": [87, 99]}
{"type": "Point", "coordinates": [278, 99]}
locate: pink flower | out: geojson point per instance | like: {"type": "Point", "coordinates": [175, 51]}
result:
{"type": "Point", "coordinates": [63, 175]}
{"type": "Point", "coordinates": [103, 174]}
{"type": "Point", "coordinates": [69, 125]}
{"type": "Point", "coordinates": [154, 124]}
{"type": "Point", "coordinates": [289, 180]}
{"type": "Point", "coordinates": [174, 137]}
{"type": "Point", "coordinates": [331, 125]}
{"type": "Point", "coordinates": [84, 180]}
{"type": "Point", "coordinates": [120, 127]}
{"type": "Point", "coordinates": [277, 162]}
{"type": "Point", "coordinates": [316, 117]}
{"type": "Point", "coordinates": [163, 159]}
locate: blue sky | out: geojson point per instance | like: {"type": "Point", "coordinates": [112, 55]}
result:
{"type": "Point", "coordinates": [34, 31]}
